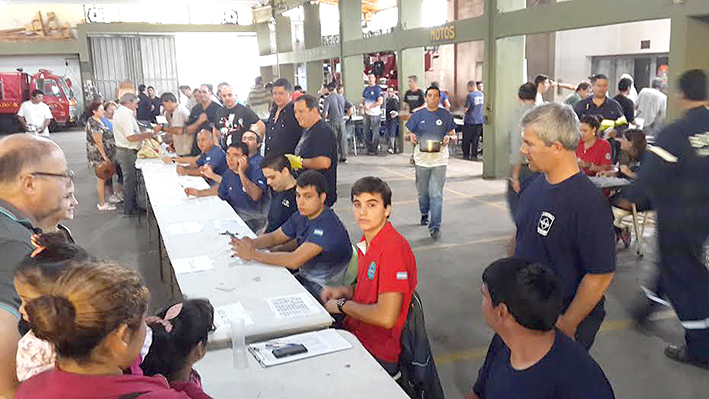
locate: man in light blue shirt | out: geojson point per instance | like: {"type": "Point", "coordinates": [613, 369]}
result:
{"type": "Point", "coordinates": [372, 100]}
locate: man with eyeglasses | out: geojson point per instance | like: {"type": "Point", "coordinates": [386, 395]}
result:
{"type": "Point", "coordinates": [34, 179]}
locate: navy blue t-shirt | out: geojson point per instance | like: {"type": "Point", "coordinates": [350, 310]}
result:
{"type": "Point", "coordinates": [282, 207]}
{"type": "Point", "coordinates": [328, 232]}
{"type": "Point", "coordinates": [427, 125]}
{"type": "Point", "coordinates": [474, 102]}
{"type": "Point", "coordinates": [371, 94]}
{"type": "Point", "coordinates": [567, 371]}
{"type": "Point", "coordinates": [232, 191]}
{"type": "Point", "coordinates": [567, 226]}
{"type": "Point", "coordinates": [319, 141]}
{"type": "Point", "coordinates": [216, 158]}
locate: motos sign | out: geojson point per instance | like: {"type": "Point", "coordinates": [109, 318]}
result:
{"type": "Point", "coordinates": [441, 33]}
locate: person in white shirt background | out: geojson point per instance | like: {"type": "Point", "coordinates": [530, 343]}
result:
{"type": "Point", "coordinates": [34, 115]}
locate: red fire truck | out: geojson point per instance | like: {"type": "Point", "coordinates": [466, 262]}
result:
{"type": "Point", "coordinates": [15, 88]}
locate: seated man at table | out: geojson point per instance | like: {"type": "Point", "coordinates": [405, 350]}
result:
{"type": "Point", "coordinates": [276, 169]}
{"type": "Point", "coordinates": [322, 248]}
{"type": "Point", "coordinates": [242, 185]}
{"type": "Point", "coordinates": [528, 357]}
{"type": "Point", "coordinates": [212, 156]}
{"type": "Point", "coordinates": [377, 307]}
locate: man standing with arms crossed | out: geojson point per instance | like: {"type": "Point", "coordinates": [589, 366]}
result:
{"type": "Point", "coordinates": [372, 101]}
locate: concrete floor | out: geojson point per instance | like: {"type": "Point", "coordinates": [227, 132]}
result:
{"type": "Point", "coordinates": [476, 230]}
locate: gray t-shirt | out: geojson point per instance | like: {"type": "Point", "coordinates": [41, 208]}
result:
{"type": "Point", "coordinates": [516, 135]}
{"type": "Point", "coordinates": [15, 237]}
{"type": "Point", "coordinates": [334, 107]}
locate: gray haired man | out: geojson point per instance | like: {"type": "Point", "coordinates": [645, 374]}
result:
{"type": "Point", "coordinates": [564, 221]}
{"type": "Point", "coordinates": [128, 141]}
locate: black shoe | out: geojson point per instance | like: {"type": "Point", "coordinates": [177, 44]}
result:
{"type": "Point", "coordinates": [435, 234]}
{"type": "Point", "coordinates": [424, 220]}
{"type": "Point", "coordinates": [680, 354]}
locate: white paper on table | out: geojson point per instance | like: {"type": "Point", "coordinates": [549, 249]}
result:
{"type": "Point", "coordinates": [316, 342]}
{"type": "Point", "coordinates": [236, 226]}
{"type": "Point", "coordinates": [184, 228]}
{"type": "Point", "coordinates": [293, 305]}
{"type": "Point", "coordinates": [222, 315]}
{"type": "Point", "coordinates": [191, 265]}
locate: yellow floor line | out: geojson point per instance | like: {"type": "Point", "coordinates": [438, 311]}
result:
{"type": "Point", "coordinates": [479, 353]}
{"type": "Point", "coordinates": [450, 190]}
{"type": "Point", "coordinates": [460, 244]}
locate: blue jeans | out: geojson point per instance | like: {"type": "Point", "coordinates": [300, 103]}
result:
{"type": "Point", "coordinates": [429, 184]}
{"type": "Point", "coordinates": [372, 123]}
{"type": "Point", "coordinates": [125, 158]}
{"type": "Point", "coordinates": [393, 130]}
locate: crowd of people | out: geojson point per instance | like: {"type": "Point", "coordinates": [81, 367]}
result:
{"type": "Point", "coordinates": [74, 324]}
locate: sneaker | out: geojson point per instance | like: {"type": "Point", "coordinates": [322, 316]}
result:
{"type": "Point", "coordinates": [390, 150]}
{"type": "Point", "coordinates": [424, 220]}
{"type": "Point", "coordinates": [625, 237]}
{"type": "Point", "coordinates": [680, 354]}
{"type": "Point", "coordinates": [114, 199]}
{"type": "Point", "coordinates": [411, 160]}
{"type": "Point", "coordinates": [107, 206]}
{"type": "Point", "coordinates": [343, 161]}
{"type": "Point", "coordinates": [435, 234]}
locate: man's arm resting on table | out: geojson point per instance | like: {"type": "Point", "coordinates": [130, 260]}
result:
{"type": "Point", "coordinates": [317, 163]}
{"type": "Point", "coordinates": [207, 192]}
{"type": "Point", "coordinates": [382, 314]}
{"type": "Point", "coordinates": [139, 137]}
{"type": "Point", "coordinates": [291, 260]}
{"type": "Point", "coordinates": [9, 336]}
{"type": "Point", "coordinates": [270, 240]}
{"type": "Point", "coordinates": [588, 294]}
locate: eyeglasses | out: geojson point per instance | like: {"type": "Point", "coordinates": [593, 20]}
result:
{"type": "Point", "coordinates": [68, 174]}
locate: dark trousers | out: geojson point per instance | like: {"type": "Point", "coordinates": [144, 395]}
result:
{"type": "Point", "coordinates": [685, 280]}
{"type": "Point", "coordinates": [471, 138]}
{"type": "Point", "coordinates": [587, 330]}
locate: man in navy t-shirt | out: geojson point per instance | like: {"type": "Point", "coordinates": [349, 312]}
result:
{"type": "Point", "coordinates": [564, 221]}
{"type": "Point", "coordinates": [431, 127]}
{"type": "Point", "coordinates": [372, 101]}
{"type": "Point", "coordinates": [473, 122]}
{"type": "Point", "coordinates": [211, 155]}
{"type": "Point", "coordinates": [323, 249]}
{"type": "Point", "coordinates": [529, 358]}
{"type": "Point", "coordinates": [276, 169]}
{"type": "Point", "coordinates": [242, 185]}
{"type": "Point", "coordinates": [317, 149]}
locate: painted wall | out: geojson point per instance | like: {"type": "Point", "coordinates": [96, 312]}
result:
{"type": "Point", "coordinates": [574, 48]}
{"type": "Point", "coordinates": [453, 70]}
{"type": "Point", "coordinates": [18, 15]}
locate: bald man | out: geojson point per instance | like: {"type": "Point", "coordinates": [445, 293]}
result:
{"type": "Point", "coordinates": [34, 179]}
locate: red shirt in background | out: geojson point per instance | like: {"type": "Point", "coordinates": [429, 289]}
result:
{"type": "Point", "coordinates": [598, 154]}
{"type": "Point", "coordinates": [388, 265]}
{"type": "Point", "coordinates": [295, 95]}
{"type": "Point", "coordinates": [57, 384]}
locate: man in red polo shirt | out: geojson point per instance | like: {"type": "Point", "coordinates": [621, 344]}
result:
{"type": "Point", "coordinates": [593, 152]}
{"type": "Point", "coordinates": [377, 306]}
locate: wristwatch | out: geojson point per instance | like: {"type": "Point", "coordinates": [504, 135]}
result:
{"type": "Point", "coordinates": [340, 304]}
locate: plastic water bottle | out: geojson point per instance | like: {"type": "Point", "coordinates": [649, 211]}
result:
{"type": "Point", "coordinates": [238, 343]}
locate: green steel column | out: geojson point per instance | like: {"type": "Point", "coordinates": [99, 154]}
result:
{"type": "Point", "coordinates": [263, 36]}
{"type": "Point", "coordinates": [352, 67]}
{"type": "Point", "coordinates": [689, 44]}
{"type": "Point", "coordinates": [313, 68]}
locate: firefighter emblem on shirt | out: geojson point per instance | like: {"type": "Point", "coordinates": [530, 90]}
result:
{"type": "Point", "coordinates": [545, 223]}
{"type": "Point", "coordinates": [371, 271]}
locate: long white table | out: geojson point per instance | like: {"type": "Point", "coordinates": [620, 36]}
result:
{"type": "Point", "coordinates": [231, 280]}
{"type": "Point", "coordinates": [352, 373]}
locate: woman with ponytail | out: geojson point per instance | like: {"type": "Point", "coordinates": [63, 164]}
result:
{"type": "Point", "coordinates": [94, 316]}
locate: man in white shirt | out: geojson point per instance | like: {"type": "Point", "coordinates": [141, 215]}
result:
{"type": "Point", "coordinates": [652, 106]}
{"type": "Point", "coordinates": [34, 115]}
{"type": "Point", "coordinates": [129, 139]}
{"type": "Point", "coordinates": [188, 100]}
{"type": "Point", "coordinates": [177, 114]}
